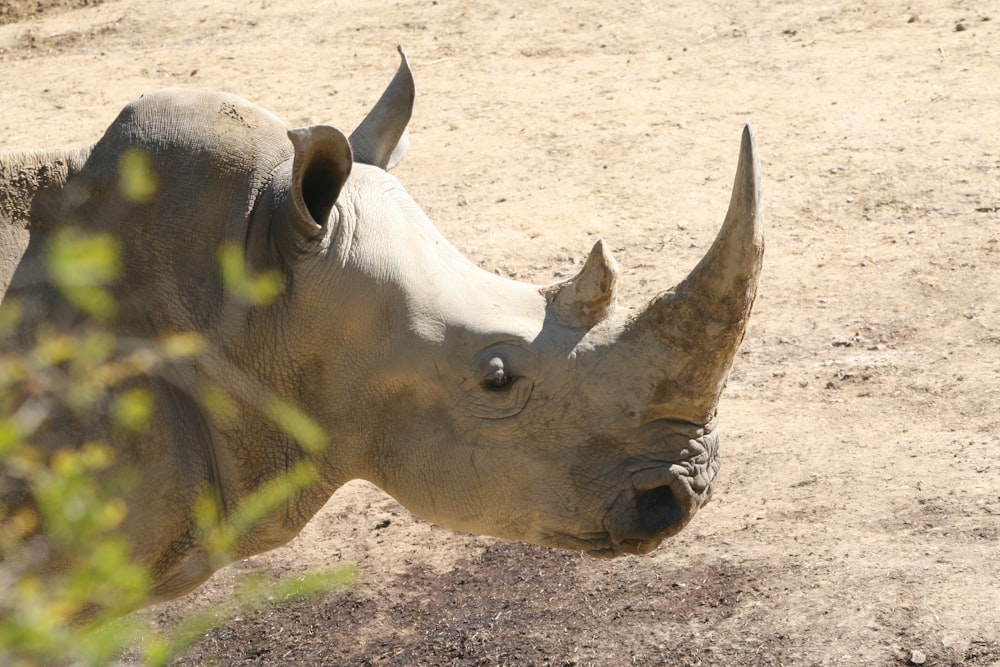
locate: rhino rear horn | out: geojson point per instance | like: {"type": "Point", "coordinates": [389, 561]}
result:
{"type": "Point", "coordinates": [589, 296]}
{"type": "Point", "coordinates": [382, 138]}
{"type": "Point", "coordinates": [699, 325]}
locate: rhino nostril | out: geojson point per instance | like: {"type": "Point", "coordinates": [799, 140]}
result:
{"type": "Point", "coordinates": [658, 510]}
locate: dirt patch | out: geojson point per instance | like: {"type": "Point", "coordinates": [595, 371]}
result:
{"type": "Point", "coordinates": [857, 511]}
{"type": "Point", "coordinates": [12, 11]}
{"type": "Point", "coordinates": [496, 608]}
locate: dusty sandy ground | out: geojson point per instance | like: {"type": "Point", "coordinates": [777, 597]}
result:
{"type": "Point", "coordinates": [857, 515]}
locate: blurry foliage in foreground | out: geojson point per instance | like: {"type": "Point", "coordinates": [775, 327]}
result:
{"type": "Point", "coordinates": [77, 615]}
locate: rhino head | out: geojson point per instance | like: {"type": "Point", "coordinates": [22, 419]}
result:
{"type": "Point", "coordinates": [536, 413]}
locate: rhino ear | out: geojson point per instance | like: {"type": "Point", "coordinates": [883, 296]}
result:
{"type": "Point", "coordinates": [382, 138]}
{"type": "Point", "coordinates": [320, 166]}
{"type": "Point", "coordinates": [589, 296]}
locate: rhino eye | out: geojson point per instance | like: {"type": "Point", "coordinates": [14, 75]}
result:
{"type": "Point", "coordinates": [500, 383]}
{"type": "Point", "coordinates": [496, 374]}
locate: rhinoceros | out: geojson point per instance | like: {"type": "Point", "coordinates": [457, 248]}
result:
{"type": "Point", "coordinates": [544, 414]}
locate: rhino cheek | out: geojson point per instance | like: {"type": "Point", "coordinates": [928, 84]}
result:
{"type": "Point", "coordinates": [416, 457]}
{"type": "Point", "coordinates": [564, 500]}
{"type": "Point", "coordinates": [507, 487]}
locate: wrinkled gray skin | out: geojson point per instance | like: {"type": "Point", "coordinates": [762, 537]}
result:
{"type": "Point", "coordinates": [483, 404]}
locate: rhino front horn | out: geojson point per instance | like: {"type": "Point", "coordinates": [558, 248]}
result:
{"type": "Point", "coordinates": [699, 325]}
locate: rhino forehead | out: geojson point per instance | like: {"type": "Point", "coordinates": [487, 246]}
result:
{"type": "Point", "coordinates": [391, 242]}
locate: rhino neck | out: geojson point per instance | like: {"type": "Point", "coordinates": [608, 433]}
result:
{"type": "Point", "coordinates": [31, 185]}
{"type": "Point", "coordinates": [29, 178]}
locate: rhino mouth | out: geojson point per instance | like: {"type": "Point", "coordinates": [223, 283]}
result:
{"type": "Point", "coordinates": [662, 499]}
{"type": "Point", "coordinates": [643, 517]}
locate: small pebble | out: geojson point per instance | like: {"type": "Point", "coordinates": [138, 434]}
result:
{"type": "Point", "coordinates": [917, 657]}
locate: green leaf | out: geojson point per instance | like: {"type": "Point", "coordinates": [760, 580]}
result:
{"type": "Point", "coordinates": [136, 178]}
{"type": "Point", "coordinates": [254, 289]}
{"type": "Point", "coordinates": [133, 409]}
{"type": "Point", "coordinates": [297, 424]}
{"type": "Point", "coordinates": [82, 267]}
